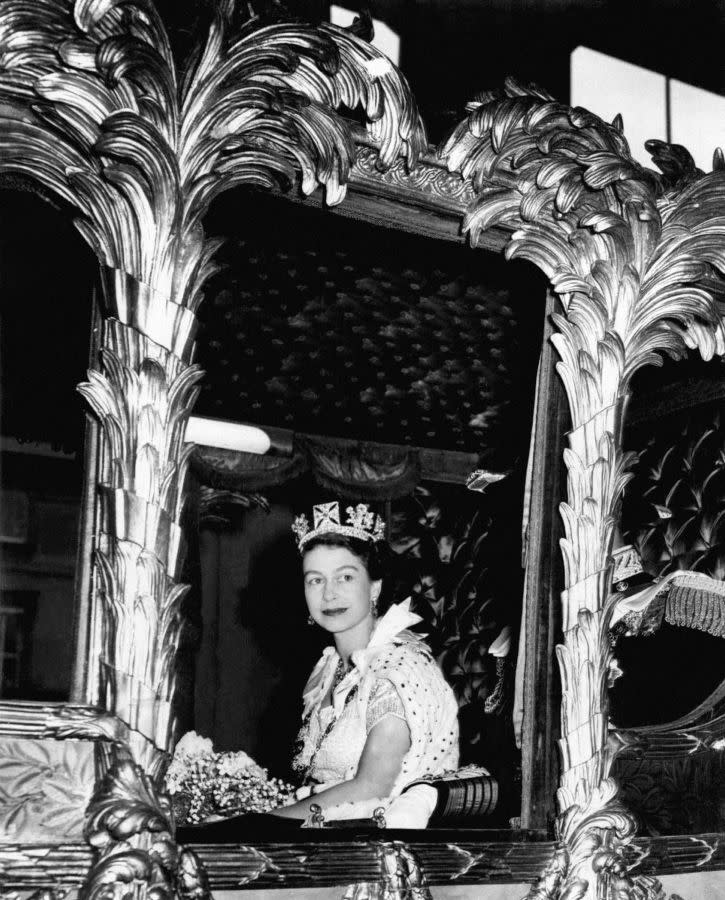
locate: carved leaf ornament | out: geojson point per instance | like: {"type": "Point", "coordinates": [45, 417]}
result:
{"type": "Point", "coordinates": [91, 109]}
{"type": "Point", "coordinates": [45, 787]}
{"type": "Point", "coordinates": [629, 261]}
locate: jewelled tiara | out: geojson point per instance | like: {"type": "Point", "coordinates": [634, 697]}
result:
{"type": "Point", "coordinates": [361, 523]}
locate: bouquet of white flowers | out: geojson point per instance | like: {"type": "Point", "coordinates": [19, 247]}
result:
{"type": "Point", "coordinates": [204, 784]}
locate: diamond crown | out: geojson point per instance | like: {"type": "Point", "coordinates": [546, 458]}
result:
{"type": "Point", "coordinates": [361, 522]}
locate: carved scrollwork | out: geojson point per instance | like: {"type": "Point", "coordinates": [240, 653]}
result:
{"type": "Point", "coordinates": [630, 262]}
{"type": "Point", "coordinates": [130, 824]}
{"type": "Point", "coordinates": [427, 177]}
{"type": "Point", "coordinates": [47, 770]}
{"type": "Point", "coordinates": [47, 894]}
{"type": "Point", "coordinates": [192, 882]}
{"type": "Point", "coordinates": [401, 876]}
{"type": "Point", "coordinates": [548, 884]}
{"type": "Point", "coordinates": [126, 803]}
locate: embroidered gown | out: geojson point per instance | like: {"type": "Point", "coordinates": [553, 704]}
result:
{"type": "Point", "coordinates": [395, 675]}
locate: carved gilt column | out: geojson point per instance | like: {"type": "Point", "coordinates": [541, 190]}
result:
{"type": "Point", "coordinates": [142, 396]}
{"type": "Point", "coordinates": [629, 255]}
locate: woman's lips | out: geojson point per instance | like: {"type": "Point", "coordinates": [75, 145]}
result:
{"type": "Point", "coordinates": [334, 611]}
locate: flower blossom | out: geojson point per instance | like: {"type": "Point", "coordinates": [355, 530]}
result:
{"type": "Point", "coordinates": [193, 744]}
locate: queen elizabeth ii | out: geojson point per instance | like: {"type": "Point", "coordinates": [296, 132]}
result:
{"type": "Point", "coordinates": [377, 712]}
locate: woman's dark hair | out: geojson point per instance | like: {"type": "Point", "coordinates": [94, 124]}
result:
{"type": "Point", "coordinates": [376, 556]}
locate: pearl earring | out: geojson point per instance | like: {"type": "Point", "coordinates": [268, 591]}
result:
{"type": "Point", "coordinates": [310, 620]}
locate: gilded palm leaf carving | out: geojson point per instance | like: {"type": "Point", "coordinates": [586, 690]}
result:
{"type": "Point", "coordinates": [92, 109]}
{"type": "Point", "coordinates": [633, 260]}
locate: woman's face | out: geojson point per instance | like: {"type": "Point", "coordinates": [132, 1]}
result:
{"type": "Point", "coordinates": [338, 589]}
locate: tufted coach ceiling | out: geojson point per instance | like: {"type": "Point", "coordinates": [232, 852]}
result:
{"type": "Point", "coordinates": [316, 323]}
{"type": "Point", "coordinates": [335, 327]}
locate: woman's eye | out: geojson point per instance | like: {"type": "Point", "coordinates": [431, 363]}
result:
{"type": "Point", "coordinates": [347, 577]}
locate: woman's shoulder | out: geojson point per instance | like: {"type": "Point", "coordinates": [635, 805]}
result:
{"type": "Point", "coordinates": [408, 650]}
{"type": "Point", "coordinates": [409, 666]}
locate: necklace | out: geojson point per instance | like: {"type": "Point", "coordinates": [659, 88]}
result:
{"type": "Point", "coordinates": [340, 673]}
{"type": "Point", "coordinates": [338, 677]}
